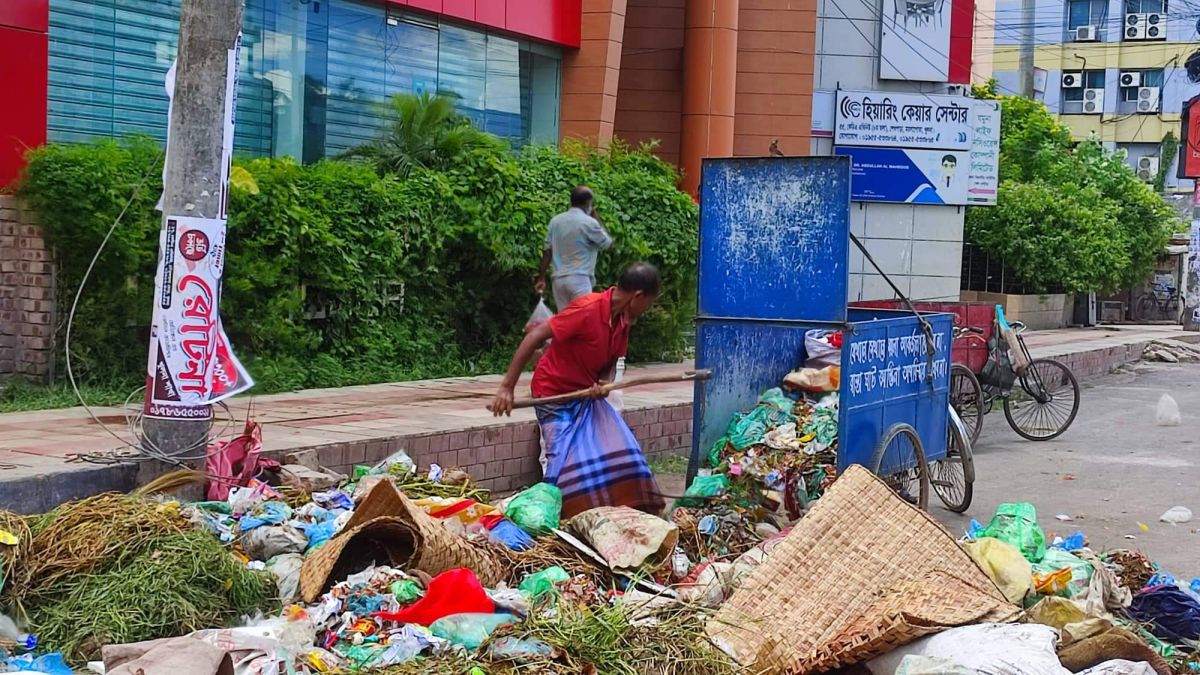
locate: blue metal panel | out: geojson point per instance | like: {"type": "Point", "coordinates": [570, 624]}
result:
{"type": "Point", "coordinates": [884, 369]}
{"type": "Point", "coordinates": [746, 358]}
{"type": "Point", "coordinates": [773, 238]}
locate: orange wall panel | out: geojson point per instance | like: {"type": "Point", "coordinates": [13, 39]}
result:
{"type": "Point", "coordinates": [651, 83]}
{"type": "Point", "coordinates": [776, 43]}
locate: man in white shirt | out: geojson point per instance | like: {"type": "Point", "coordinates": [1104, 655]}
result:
{"type": "Point", "coordinates": [573, 242]}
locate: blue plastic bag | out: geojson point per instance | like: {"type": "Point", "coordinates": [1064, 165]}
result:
{"type": "Point", "coordinates": [319, 533]}
{"type": "Point", "coordinates": [506, 533]}
{"type": "Point", "coordinates": [50, 664]}
{"type": "Point", "coordinates": [1071, 543]}
{"type": "Point", "coordinates": [265, 513]}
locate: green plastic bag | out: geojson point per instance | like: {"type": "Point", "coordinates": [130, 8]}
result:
{"type": "Point", "coordinates": [703, 487]}
{"type": "Point", "coordinates": [406, 591]}
{"type": "Point", "coordinates": [540, 583]}
{"type": "Point", "coordinates": [1016, 525]}
{"type": "Point", "coordinates": [774, 409]}
{"type": "Point", "coordinates": [537, 509]}
{"type": "Point", "coordinates": [1081, 570]}
{"type": "Point", "coordinates": [469, 630]}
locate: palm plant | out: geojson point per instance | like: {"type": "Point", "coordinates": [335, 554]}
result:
{"type": "Point", "coordinates": [423, 130]}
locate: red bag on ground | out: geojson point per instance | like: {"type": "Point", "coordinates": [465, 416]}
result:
{"type": "Point", "coordinates": [234, 463]}
{"type": "Point", "coordinates": [455, 591]}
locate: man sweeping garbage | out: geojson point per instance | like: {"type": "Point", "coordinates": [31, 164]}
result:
{"type": "Point", "coordinates": [591, 455]}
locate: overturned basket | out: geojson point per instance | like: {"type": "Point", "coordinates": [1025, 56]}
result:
{"type": "Point", "coordinates": [388, 528]}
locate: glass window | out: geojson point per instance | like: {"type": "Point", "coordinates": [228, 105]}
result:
{"type": "Point", "coordinates": [503, 88]}
{"type": "Point", "coordinates": [1092, 79]}
{"type": "Point", "coordinates": [539, 96]}
{"type": "Point", "coordinates": [1145, 6]}
{"type": "Point", "coordinates": [462, 69]}
{"type": "Point", "coordinates": [1086, 13]}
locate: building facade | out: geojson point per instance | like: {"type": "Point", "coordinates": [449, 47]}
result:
{"type": "Point", "coordinates": [699, 78]}
{"type": "Point", "coordinates": [889, 49]}
{"type": "Point", "coordinates": [1115, 69]}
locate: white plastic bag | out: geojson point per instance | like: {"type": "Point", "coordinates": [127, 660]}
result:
{"type": "Point", "coordinates": [931, 665]}
{"type": "Point", "coordinates": [1120, 667]}
{"type": "Point", "coordinates": [1177, 515]}
{"type": "Point", "coordinates": [986, 648]}
{"type": "Point", "coordinates": [818, 350]}
{"type": "Point", "coordinates": [1167, 414]}
{"type": "Point", "coordinates": [541, 314]}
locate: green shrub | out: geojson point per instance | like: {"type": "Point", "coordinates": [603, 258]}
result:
{"type": "Point", "coordinates": [335, 275]}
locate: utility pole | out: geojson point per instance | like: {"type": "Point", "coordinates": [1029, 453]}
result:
{"type": "Point", "coordinates": [193, 187]}
{"type": "Point", "coordinates": [1025, 62]}
{"type": "Point", "coordinates": [1191, 279]}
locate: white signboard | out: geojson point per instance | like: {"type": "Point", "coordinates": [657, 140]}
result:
{"type": "Point", "coordinates": [900, 120]}
{"type": "Point", "coordinates": [984, 173]}
{"type": "Point", "coordinates": [915, 41]}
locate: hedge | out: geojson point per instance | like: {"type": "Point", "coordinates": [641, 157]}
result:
{"type": "Point", "coordinates": [337, 276]}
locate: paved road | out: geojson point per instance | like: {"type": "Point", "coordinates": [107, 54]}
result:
{"type": "Point", "coordinates": [1126, 469]}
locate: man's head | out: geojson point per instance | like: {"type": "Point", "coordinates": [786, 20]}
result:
{"type": "Point", "coordinates": [581, 198]}
{"type": "Point", "coordinates": [640, 283]}
{"type": "Point", "coordinates": [949, 163]}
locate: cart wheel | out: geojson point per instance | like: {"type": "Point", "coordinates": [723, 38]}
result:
{"type": "Point", "coordinates": [1046, 403]}
{"type": "Point", "coordinates": [966, 395]}
{"type": "Point", "coordinates": [953, 478]}
{"type": "Point", "coordinates": [901, 447]}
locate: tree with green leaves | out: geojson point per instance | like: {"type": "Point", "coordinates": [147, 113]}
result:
{"type": "Point", "coordinates": [1070, 216]}
{"type": "Point", "coordinates": [423, 130]}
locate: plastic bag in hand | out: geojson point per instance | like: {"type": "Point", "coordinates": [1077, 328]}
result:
{"type": "Point", "coordinates": [541, 314]}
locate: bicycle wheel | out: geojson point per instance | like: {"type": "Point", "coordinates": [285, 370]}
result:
{"type": "Point", "coordinates": [1145, 308]}
{"type": "Point", "coordinates": [966, 395]}
{"type": "Point", "coordinates": [953, 478]}
{"type": "Point", "coordinates": [900, 453]}
{"type": "Point", "coordinates": [1046, 403]}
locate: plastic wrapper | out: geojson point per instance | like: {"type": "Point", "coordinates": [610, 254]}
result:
{"type": "Point", "coordinates": [628, 540]}
{"type": "Point", "coordinates": [539, 584]}
{"type": "Point", "coordinates": [822, 348]}
{"type": "Point", "coordinates": [984, 649]}
{"type": "Point", "coordinates": [1167, 413]}
{"type": "Point", "coordinates": [537, 509]}
{"type": "Point", "coordinates": [286, 570]}
{"type": "Point", "coordinates": [520, 649]}
{"type": "Point", "coordinates": [508, 534]}
{"type": "Point", "coordinates": [824, 379]}
{"type": "Point", "coordinates": [397, 464]}
{"type": "Point", "coordinates": [264, 513]}
{"type": "Point", "coordinates": [1056, 560]}
{"type": "Point", "coordinates": [469, 630]}
{"type": "Point", "coordinates": [1016, 525]}
{"type": "Point", "coordinates": [540, 315]}
{"type": "Point", "coordinates": [1011, 572]}
{"type": "Point", "coordinates": [703, 487]}
{"type": "Point", "coordinates": [264, 543]}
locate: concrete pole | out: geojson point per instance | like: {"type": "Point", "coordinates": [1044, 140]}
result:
{"type": "Point", "coordinates": [1191, 279]}
{"type": "Point", "coordinates": [1025, 60]}
{"type": "Point", "coordinates": [709, 85]}
{"type": "Point", "coordinates": [192, 184]}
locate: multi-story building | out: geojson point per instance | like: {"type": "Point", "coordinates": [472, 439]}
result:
{"type": "Point", "coordinates": [1116, 69]}
{"type": "Point", "coordinates": [704, 78]}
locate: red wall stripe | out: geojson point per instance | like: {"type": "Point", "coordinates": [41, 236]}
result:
{"type": "Point", "coordinates": [962, 36]}
{"type": "Point", "coordinates": [556, 21]}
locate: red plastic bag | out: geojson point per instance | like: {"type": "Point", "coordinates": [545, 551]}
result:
{"type": "Point", "coordinates": [455, 591]}
{"type": "Point", "coordinates": [234, 463]}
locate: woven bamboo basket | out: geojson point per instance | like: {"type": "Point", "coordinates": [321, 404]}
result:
{"type": "Point", "coordinates": [431, 548]}
{"type": "Point", "coordinates": [846, 581]}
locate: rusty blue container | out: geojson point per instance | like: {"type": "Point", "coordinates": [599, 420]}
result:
{"type": "Point", "coordinates": [773, 264]}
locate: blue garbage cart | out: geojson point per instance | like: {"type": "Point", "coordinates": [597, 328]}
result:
{"type": "Point", "coordinates": [774, 263]}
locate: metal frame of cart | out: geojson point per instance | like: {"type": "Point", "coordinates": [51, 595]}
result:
{"type": "Point", "coordinates": [773, 264]}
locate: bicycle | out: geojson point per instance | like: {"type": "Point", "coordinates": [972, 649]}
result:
{"type": "Point", "coordinates": [1160, 304]}
{"type": "Point", "coordinates": [1044, 405]}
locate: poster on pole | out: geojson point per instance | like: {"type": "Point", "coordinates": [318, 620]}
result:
{"type": "Point", "coordinates": [191, 363]}
{"type": "Point", "coordinates": [983, 175]}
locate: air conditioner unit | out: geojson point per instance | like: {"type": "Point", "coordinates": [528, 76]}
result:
{"type": "Point", "coordinates": [1131, 79]}
{"type": "Point", "coordinates": [1087, 33]}
{"type": "Point", "coordinates": [1093, 101]}
{"type": "Point", "coordinates": [1072, 80]}
{"type": "Point", "coordinates": [1135, 26]}
{"type": "Point", "coordinates": [1148, 99]}
{"type": "Point", "coordinates": [1156, 26]}
{"type": "Point", "coordinates": [1147, 169]}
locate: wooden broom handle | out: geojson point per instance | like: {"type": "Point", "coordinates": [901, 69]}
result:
{"type": "Point", "coordinates": [702, 374]}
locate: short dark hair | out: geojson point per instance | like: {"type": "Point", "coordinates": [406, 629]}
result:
{"type": "Point", "coordinates": [950, 158]}
{"type": "Point", "coordinates": [640, 276]}
{"type": "Point", "coordinates": [581, 195]}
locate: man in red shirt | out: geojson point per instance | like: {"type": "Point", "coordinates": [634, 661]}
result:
{"type": "Point", "coordinates": [590, 453]}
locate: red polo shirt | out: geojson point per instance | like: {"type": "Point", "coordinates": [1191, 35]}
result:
{"type": "Point", "coordinates": [585, 345]}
